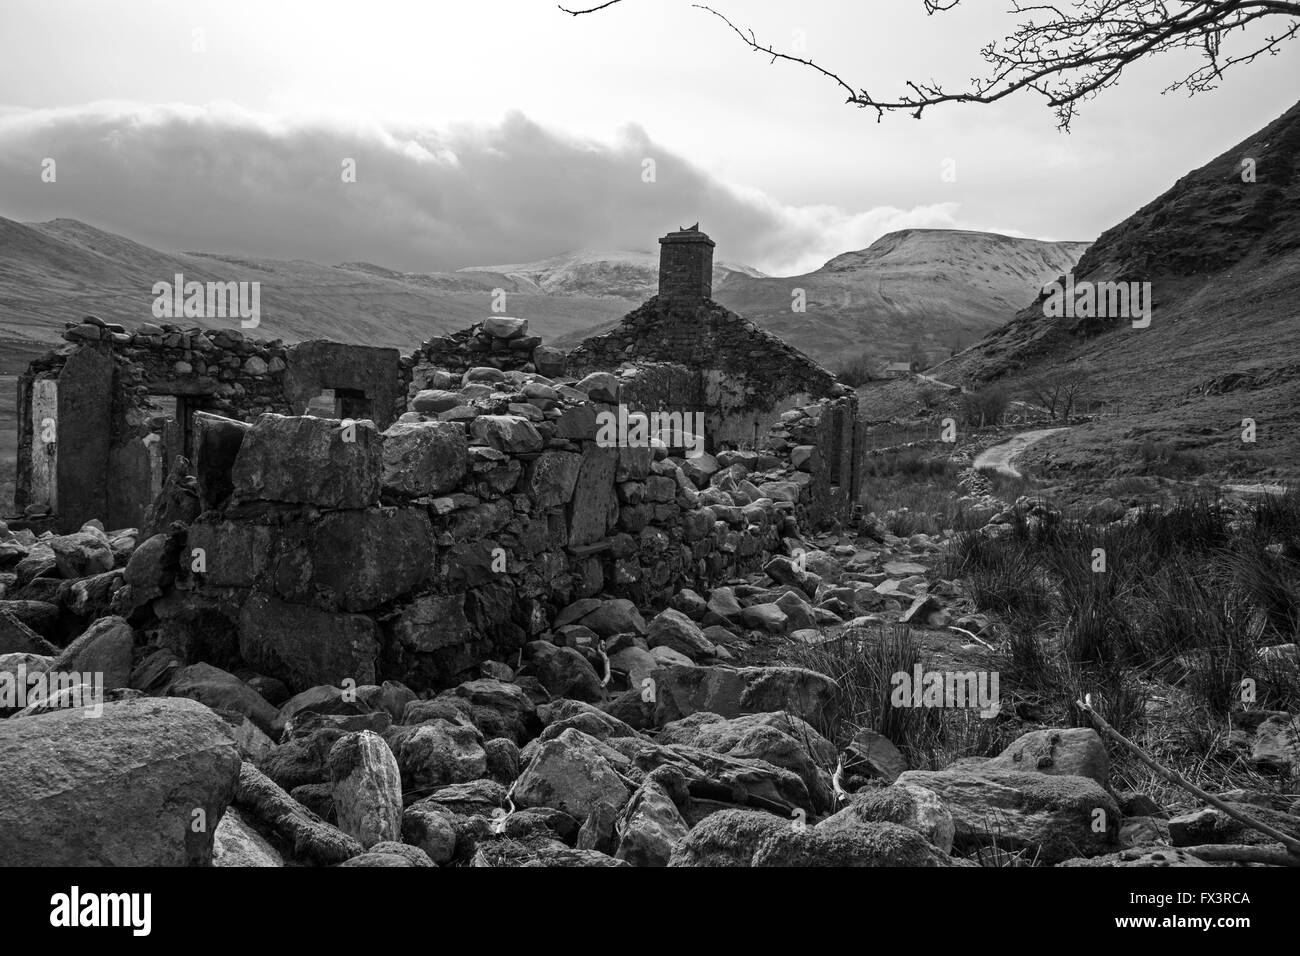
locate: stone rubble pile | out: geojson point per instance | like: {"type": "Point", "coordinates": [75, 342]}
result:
{"type": "Point", "coordinates": [617, 736]}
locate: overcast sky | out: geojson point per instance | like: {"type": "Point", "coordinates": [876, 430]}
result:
{"type": "Point", "coordinates": [490, 131]}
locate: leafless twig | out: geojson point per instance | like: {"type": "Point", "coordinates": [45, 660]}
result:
{"type": "Point", "coordinates": [1068, 53]}
{"type": "Point", "coordinates": [1292, 845]}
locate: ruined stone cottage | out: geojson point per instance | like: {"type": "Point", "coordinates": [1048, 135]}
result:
{"type": "Point", "coordinates": [356, 513]}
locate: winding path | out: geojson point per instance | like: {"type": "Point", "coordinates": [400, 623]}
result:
{"type": "Point", "coordinates": [998, 457]}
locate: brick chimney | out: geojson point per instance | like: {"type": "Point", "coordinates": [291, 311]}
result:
{"type": "Point", "coordinates": [686, 267]}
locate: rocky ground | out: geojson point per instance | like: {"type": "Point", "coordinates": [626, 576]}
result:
{"type": "Point", "coordinates": [694, 736]}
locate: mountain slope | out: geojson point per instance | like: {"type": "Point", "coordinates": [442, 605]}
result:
{"type": "Point", "coordinates": [59, 271]}
{"type": "Point", "coordinates": [1223, 258]}
{"type": "Point", "coordinates": [629, 275]}
{"type": "Point", "coordinates": [936, 288]}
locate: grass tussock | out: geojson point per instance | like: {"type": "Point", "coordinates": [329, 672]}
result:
{"type": "Point", "coordinates": [863, 665]}
{"type": "Point", "coordinates": [1165, 619]}
{"type": "Point", "coordinates": [916, 492]}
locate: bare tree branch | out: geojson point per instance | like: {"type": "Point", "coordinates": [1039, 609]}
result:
{"type": "Point", "coordinates": [1071, 52]}
{"type": "Point", "coordinates": [1290, 843]}
{"type": "Point", "coordinates": [578, 13]}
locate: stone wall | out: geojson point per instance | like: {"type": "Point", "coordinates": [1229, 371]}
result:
{"type": "Point", "coordinates": [747, 375]}
{"type": "Point", "coordinates": [456, 535]}
{"type": "Point", "coordinates": [822, 442]}
{"type": "Point", "coordinates": [114, 435]}
{"type": "Point", "coordinates": [499, 342]}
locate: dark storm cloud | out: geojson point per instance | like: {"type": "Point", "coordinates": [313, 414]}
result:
{"type": "Point", "coordinates": [219, 179]}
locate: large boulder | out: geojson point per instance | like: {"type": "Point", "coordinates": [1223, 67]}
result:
{"type": "Point", "coordinates": [309, 837]}
{"type": "Point", "coordinates": [1276, 746]}
{"type": "Point", "coordinates": [594, 508]}
{"type": "Point", "coordinates": [436, 753]}
{"type": "Point", "coordinates": [907, 805]}
{"type": "Point", "coordinates": [600, 386]}
{"type": "Point", "coordinates": [357, 560]}
{"type": "Point", "coordinates": [727, 838]}
{"type": "Point", "coordinates": [505, 327]}
{"type": "Point", "coordinates": [650, 826]}
{"type": "Point", "coordinates": [1075, 751]}
{"type": "Point", "coordinates": [742, 781]}
{"type": "Point", "coordinates": [306, 460]}
{"type": "Point", "coordinates": [434, 401]}
{"type": "Point", "coordinates": [733, 691]}
{"type": "Point", "coordinates": [237, 844]}
{"type": "Point", "coordinates": [303, 646]}
{"type": "Point", "coordinates": [672, 628]}
{"type": "Point", "coordinates": [552, 476]}
{"type": "Point", "coordinates": [42, 617]}
{"type": "Point", "coordinates": [497, 708]}
{"type": "Point", "coordinates": [565, 672]}
{"type": "Point", "coordinates": [779, 739]}
{"type": "Point", "coordinates": [430, 829]}
{"type": "Point", "coordinates": [636, 662]}
{"type": "Point", "coordinates": [17, 638]}
{"type": "Point", "coordinates": [104, 648]}
{"type": "Point", "coordinates": [859, 844]}
{"type": "Point", "coordinates": [615, 616]}
{"type": "Point", "coordinates": [152, 566]}
{"type": "Point", "coordinates": [1209, 824]}
{"type": "Point", "coordinates": [512, 434]}
{"type": "Point", "coordinates": [144, 784]}
{"type": "Point", "coordinates": [433, 622]}
{"type": "Point", "coordinates": [1053, 817]}
{"type": "Point", "coordinates": [424, 458]}
{"type": "Point", "coordinates": [82, 553]}
{"type": "Point", "coordinates": [223, 691]}
{"type": "Point", "coordinates": [870, 754]}
{"type": "Point", "coordinates": [571, 773]}
{"type": "Point", "coordinates": [367, 788]}
{"type": "Point", "coordinates": [1140, 856]}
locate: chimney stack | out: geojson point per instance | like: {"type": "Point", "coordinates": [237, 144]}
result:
{"type": "Point", "coordinates": [686, 267]}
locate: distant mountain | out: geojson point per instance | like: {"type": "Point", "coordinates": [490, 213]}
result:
{"type": "Point", "coordinates": [1221, 249]}
{"type": "Point", "coordinates": [623, 274]}
{"type": "Point", "coordinates": [937, 289]}
{"type": "Point", "coordinates": [58, 271]}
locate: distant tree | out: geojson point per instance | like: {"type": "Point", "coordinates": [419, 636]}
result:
{"type": "Point", "coordinates": [1045, 393]}
{"type": "Point", "coordinates": [1057, 393]}
{"type": "Point", "coordinates": [857, 371]}
{"type": "Point", "coordinates": [917, 357]}
{"type": "Point", "coordinates": [1070, 389]}
{"type": "Point", "coordinates": [1070, 51]}
{"type": "Point", "coordinates": [985, 407]}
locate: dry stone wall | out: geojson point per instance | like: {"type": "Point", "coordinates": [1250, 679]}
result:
{"type": "Point", "coordinates": [452, 536]}
{"type": "Point", "coordinates": [113, 434]}
{"type": "Point", "coordinates": [707, 336]}
{"type": "Point", "coordinates": [500, 342]}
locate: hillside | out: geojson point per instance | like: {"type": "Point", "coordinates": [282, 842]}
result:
{"type": "Point", "coordinates": [57, 271]}
{"type": "Point", "coordinates": [937, 288]}
{"type": "Point", "coordinates": [1223, 257]}
{"type": "Point", "coordinates": [628, 275]}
